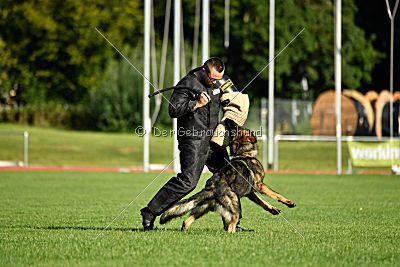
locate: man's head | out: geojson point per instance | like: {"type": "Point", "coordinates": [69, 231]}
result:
{"type": "Point", "coordinates": [214, 69]}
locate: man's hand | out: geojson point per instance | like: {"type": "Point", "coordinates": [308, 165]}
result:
{"type": "Point", "coordinates": [204, 99]}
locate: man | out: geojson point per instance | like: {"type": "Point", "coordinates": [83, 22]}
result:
{"type": "Point", "coordinates": [197, 117]}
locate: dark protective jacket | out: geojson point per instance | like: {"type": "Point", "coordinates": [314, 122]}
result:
{"type": "Point", "coordinates": [194, 133]}
{"type": "Point", "coordinates": [197, 124]}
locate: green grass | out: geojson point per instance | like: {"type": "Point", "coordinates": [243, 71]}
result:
{"type": "Point", "coordinates": [49, 146]}
{"type": "Point", "coordinates": [52, 218]}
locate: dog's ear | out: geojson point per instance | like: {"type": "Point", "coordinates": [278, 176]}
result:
{"type": "Point", "coordinates": [252, 137]}
{"type": "Point", "coordinates": [241, 133]}
{"type": "Point", "coordinates": [234, 147]}
{"type": "Point", "coordinates": [249, 136]}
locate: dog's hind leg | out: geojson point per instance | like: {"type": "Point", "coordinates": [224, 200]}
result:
{"type": "Point", "coordinates": [264, 189]}
{"type": "Point", "coordinates": [227, 217]}
{"type": "Point", "coordinates": [186, 223]}
{"type": "Point", "coordinates": [232, 224]}
{"type": "Point", "coordinates": [197, 212]}
{"type": "Point", "coordinates": [228, 208]}
{"type": "Point", "coordinates": [256, 199]}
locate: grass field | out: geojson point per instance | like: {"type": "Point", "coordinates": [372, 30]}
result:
{"type": "Point", "coordinates": [57, 147]}
{"type": "Point", "coordinates": [49, 146]}
{"type": "Point", "coordinates": [52, 218]}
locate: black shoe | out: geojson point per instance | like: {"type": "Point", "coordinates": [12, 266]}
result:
{"type": "Point", "coordinates": [240, 229]}
{"type": "Point", "coordinates": [148, 219]}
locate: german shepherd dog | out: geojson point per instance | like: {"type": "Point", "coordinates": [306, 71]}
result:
{"type": "Point", "coordinates": [242, 177]}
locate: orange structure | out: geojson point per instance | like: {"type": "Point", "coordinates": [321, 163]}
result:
{"type": "Point", "coordinates": [323, 115]}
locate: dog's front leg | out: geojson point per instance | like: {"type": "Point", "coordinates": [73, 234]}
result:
{"type": "Point", "coordinates": [264, 189]}
{"type": "Point", "coordinates": [256, 199]}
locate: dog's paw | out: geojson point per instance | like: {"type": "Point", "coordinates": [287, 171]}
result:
{"type": "Point", "coordinates": [275, 211]}
{"type": "Point", "coordinates": [184, 226]}
{"type": "Point", "coordinates": [291, 204]}
{"type": "Point", "coordinates": [288, 203]}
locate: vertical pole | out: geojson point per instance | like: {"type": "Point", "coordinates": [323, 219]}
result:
{"type": "Point", "coordinates": [276, 154]}
{"type": "Point", "coordinates": [391, 87]}
{"type": "Point", "coordinates": [391, 77]}
{"type": "Point", "coordinates": [294, 114]}
{"type": "Point", "coordinates": [25, 148]}
{"type": "Point", "coordinates": [226, 32]}
{"type": "Point", "coordinates": [177, 35]}
{"type": "Point", "coordinates": [146, 87]}
{"type": "Point", "coordinates": [196, 34]}
{"type": "Point", "coordinates": [263, 128]}
{"type": "Point", "coordinates": [271, 82]}
{"type": "Point", "coordinates": [206, 31]}
{"type": "Point", "coordinates": [338, 85]}
{"type": "Point", "coordinates": [391, 16]}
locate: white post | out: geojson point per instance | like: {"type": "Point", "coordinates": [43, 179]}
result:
{"type": "Point", "coordinates": [206, 29]}
{"type": "Point", "coordinates": [226, 22]}
{"type": "Point", "coordinates": [271, 82]}
{"type": "Point", "coordinates": [25, 148]}
{"type": "Point", "coordinates": [196, 35]}
{"type": "Point", "coordinates": [338, 85]}
{"type": "Point", "coordinates": [177, 35]}
{"type": "Point", "coordinates": [294, 114]}
{"type": "Point", "coordinates": [146, 87]}
{"type": "Point", "coordinates": [276, 153]}
{"type": "Point", "coordinates": [264, 114]}
{"type": "Point", "coordinates": [391, 17]}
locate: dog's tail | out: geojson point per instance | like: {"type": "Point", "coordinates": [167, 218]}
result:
{"type": "Point", "coordinates": [185, 205]}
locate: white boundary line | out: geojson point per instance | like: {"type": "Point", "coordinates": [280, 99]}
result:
{"type": "Point", "coordinates": [294, 38]}
{"type": "Point", "coordinates": [105, 38]}
{"type": "Point", "coordinates": [133, 199]}
{"type": "Point", "coordinates": [265, 200]}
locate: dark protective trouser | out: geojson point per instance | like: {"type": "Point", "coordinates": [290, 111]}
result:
{"type": "Point", "coordinates": [194, 154]}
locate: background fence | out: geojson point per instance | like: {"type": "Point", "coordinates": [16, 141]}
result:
{"type": "Point", "coordinates": [291, 116]}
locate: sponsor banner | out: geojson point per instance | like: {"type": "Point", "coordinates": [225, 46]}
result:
{"type": "Point", "coordinates": [374, 154]}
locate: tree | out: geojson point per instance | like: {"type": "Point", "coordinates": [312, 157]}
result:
{"type": "Point", "coordinates": [50, 50]}
{"type": "Point", "coordinates": [309, 56]}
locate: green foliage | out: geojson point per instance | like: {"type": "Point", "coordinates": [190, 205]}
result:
{"type": "Point", "coordinates": [117, 95]}
{"type": "Point", "coordinates": [50, 51]}
{"type": "Point", "coordinates": [50, 114]}
{"type": "Point", "coordinates": [52, 45]}
{"type": "Point", "coordinates": [116, 102]}
{"type": "Point", "coordinates": [310, 55]}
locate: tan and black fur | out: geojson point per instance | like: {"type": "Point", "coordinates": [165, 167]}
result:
{"type": "Point", "coordinates": [241, 178]}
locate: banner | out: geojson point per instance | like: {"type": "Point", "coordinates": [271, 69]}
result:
{"type": "Point", "coordinates": [374, 154]}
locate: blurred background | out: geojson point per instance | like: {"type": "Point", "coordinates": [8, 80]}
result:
{"type": "Point", "coordinates": [56, 70]}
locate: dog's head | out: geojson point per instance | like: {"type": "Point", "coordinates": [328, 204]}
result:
{"type": "Point", "coordinates": [244, 143]}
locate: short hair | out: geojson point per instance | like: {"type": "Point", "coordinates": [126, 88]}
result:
{"type": "Point", "coordinates": [214, 62]}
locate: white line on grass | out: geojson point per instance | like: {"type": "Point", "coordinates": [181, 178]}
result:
{"type": "Point", "coordinates": [266, 200]}
{"type": "Point", "coordinates": [131, 64]}
{"type": "Point", "coordinates": [294, 38]}
{"type": "Point", "coordinates": [134, 199]}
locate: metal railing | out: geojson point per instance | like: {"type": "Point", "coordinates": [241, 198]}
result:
{"type": "Point", "coordinates": [278, 138]}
